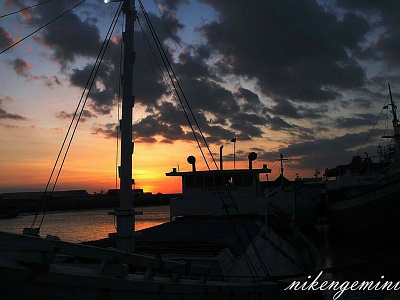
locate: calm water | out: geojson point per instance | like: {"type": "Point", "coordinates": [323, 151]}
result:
{"type": "Point", "coordinates": [352, 260]}
{"type": "Point", "coordinates": [358, 259]}
{"type": "Point", "coordinates": [84, 225]}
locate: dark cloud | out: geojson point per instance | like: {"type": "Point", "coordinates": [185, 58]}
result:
{"type": "Point", "coordinates": [209, 96]}
{"type": "Point", "coordinates": [328, 152]}
{"type": "Point", "coordinates": [5, 39]}
{"type": "Point", "coordinates": [173, 4]}
{"type": "Point", "coordinates": [194, 63]}
{"type": "Point", "coordinates": [152, 126]}
{"type": "Point", "coordinates": [278, 124]}
{"type": "Point", "coordinates": [388, 43]}
{"type": "Point", "coordinates": [86, 114]}
{"type": "Point", "coordinates": [5, 115]}
{"type": "Point", "coordinates": [293, 49]}
{"type": "Point", "coordinates": [20, 66]}
{"type": "Point", "coordinates": [70, 36]}
{"type": "Point", "coordinates": [149, 85]}
{"type": "Point", "coordinates": [358, 120]}
{"type": "Point", "coordinates": [108, 130]}
{"type": "Point", "coordinates": [148, 140]}
{"type": "Point", "coordinates": [14, 3]}
{"type": "Point", "coordinates": [285, 108]}
{"type": "Point", "coordinates": [250, 100]}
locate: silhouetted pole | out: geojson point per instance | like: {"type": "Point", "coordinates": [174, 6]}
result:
{"type": "Point", "coordinates": [234, 152]}
{"type": "Point", "coordinates": [125, 213]}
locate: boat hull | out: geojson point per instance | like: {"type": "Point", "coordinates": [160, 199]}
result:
{"type": "Point", "coordinates": [302, 204]}
{"type": "Point", "coordinates": [24, 283]}
{"type": "Point", "coordinates": [374, 213]}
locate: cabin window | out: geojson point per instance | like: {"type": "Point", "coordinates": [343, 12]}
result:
{"type": "Point", "coordinates": [219, 180]}
{"type": "Point", "coordinates": [209, 181]}
{"type": "Point", "coordinates": [199, 181]}
{"type": "Point", "coordinates": [248, 180]}
{"type": "Point", "coordinates": [189, 182]}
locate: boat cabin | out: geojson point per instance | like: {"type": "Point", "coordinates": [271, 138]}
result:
{"type": "Point", "coordinates": [214, 192]}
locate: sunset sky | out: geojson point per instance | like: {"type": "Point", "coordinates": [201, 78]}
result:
{"type": "Point", "coordinates": [305, 78]}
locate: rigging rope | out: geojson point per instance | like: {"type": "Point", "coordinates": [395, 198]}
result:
{"type": "Point", "coordinates": [169, 69]}
{"type": "Point", "coordinates": [89, 83]}
{"type": "Point", "coordinates": [148, 47]}
{"type": "Point", "coordinates": [177, 50]}
{"type": "Point", "coordinates": [28, 7]}
{"type": "Point", "coordinates": [373, 127]}
{"type": "Point", "coordinates": [41, 27]}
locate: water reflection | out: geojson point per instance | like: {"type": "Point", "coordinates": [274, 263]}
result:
{"type": "Point", "coordinates": [348, 258]}
{"type": "Point", "coordinates": [84, 225]}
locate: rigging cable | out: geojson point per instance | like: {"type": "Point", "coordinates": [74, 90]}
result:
{"type": "Point", "coordinates": [28, 7]}
{"type": "Point", "coordinates": [177, 50]}
{"type": "Point", "coordinates": [41, 27]}
{"type": "Point", "coordinates": [180, 88]}
{"type": "Point", "coordinates": [373, 127]}
{"type": "Point", "coordinates": [148, 47]}
{"type": "Point", "coordinates": [159, 45]}
{"type": "Point", "coordinates": [93, 71]}
{"type": "Point", "coordinates": [84, 103]}
{"type": "Point", "coordinates": [168, 67]}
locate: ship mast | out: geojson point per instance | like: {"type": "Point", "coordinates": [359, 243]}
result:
{"type": "Point", "coordinates": [125, 213]}
{"type": "Point", "coordinates": [395, 122]}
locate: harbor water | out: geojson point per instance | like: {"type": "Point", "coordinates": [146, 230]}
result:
{"type": "Point", "coordinates": [84, 225]}
{"type": "Point", "coordinates": [345, 258]}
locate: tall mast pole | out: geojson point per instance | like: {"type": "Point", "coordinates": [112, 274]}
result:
{"type": "Point", "coordinates": [395, 122]}
{"type": "Point", "coordinates": [125, 213]}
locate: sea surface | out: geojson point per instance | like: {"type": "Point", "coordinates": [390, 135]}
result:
{"type": "Point", "coordinates": [345, 258]}
{"type": "Point", "coordinates": [83, 225]}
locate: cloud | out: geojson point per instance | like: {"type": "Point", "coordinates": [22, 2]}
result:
{"type": "Point", "coordinates": [5, 39]}
{"type": "Point", "coordinates": [172, 4]}
{"type": "Point", "coordinates": [86, 114]}
{"type": "Point", "coordinates": [149, 86]}
{"type": "Point", "coordinates": [109, 130]}
{"type": "Point", "coordinates": [358, 120]}
{"type": "Point", "coordinates": [5, 115]}
{"type": "Point", "coordinates": [387, 44]}
{"type": "Point", "coordinates": [294, 50]}
{"type": "Point", "coordinates": [70, 36]}
{"type": "Point", "coordinates": [250, 100]}
{"type": "Point", "coordinates": [22, 67]}
{"type": "Point", "coordinates": [285, 108]}
{"type": "Point", "coordinates": [327, 152]}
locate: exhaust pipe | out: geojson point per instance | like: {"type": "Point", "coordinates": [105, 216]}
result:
{"type": "Point", "coordinates": [192, 160]}
{"type": "Point", "coordinates": [252, 157]}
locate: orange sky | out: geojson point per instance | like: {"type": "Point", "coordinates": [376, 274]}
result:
{"type": "Point", "coordinates": [29, 152]}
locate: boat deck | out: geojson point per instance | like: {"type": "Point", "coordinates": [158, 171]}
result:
{"type": "Point", "coordinates": [193, 236]}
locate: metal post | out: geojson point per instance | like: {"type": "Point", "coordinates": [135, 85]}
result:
{"type": "Point", "coordinates": [395, 123]}
{"type": "Point", "coordinates": [125, 212]}
{"type": "Point", "coordinates": [234, 155]}
{"type": "Point", "coordinates": [234, 152]}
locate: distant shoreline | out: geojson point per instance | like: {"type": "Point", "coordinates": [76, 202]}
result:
{"type": "Point", "coordinates": [96, 201]}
